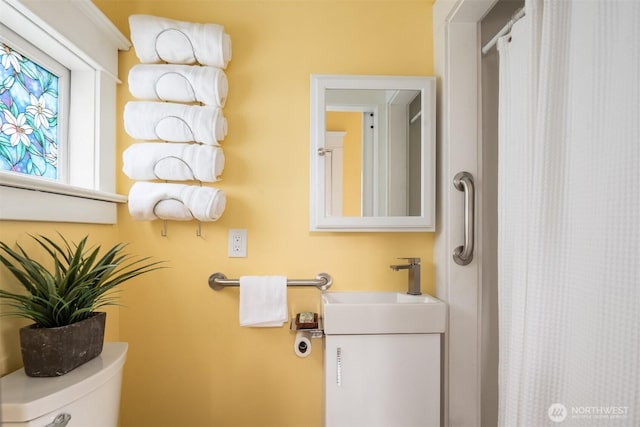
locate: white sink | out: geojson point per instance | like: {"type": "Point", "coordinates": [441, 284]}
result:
{"type": "Point", "coordinates": [382, 313]}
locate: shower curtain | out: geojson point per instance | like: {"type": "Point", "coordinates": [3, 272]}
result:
{"type": "Point", "coordinates": [569, 215]}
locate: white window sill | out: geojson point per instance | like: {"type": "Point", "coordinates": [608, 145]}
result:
{"type": "Point", "coordinates": [25, 198]}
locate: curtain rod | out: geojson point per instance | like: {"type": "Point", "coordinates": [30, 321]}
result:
{"type": "Point", "coordinates": [506, 29]}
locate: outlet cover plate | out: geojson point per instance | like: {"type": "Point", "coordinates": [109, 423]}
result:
{"type": "Point", "coordinates": [237, 243]}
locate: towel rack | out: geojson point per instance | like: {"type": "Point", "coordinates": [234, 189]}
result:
{"type": "Point", "coordinates": [323, 281]}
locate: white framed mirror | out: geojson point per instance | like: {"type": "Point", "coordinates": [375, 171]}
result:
{"type": "Point", "coordinates": [372, 153]}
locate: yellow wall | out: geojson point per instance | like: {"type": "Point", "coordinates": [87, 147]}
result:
{"type": "Point", "coordinates": [189, 362]}
{"type": "Point", "coordinates": [351, 123]}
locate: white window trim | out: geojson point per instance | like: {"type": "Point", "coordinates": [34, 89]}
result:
{"type": "Point", "coordinates": [78, 35]}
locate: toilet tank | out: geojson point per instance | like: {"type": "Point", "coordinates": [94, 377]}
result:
{"type": "Point", "coordinates": [87, 396]}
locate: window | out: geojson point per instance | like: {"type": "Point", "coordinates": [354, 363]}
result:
{"type": "Point", "coordinates": [57, 112]}
{"type": "Point", "coordinates": [33, 92]}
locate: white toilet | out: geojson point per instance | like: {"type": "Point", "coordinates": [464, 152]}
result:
{"type": "Point", "coordinates": [87, 396]}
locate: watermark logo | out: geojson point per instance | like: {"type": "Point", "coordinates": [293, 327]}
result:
{"type": "Point", "coordinates": [557, 412]}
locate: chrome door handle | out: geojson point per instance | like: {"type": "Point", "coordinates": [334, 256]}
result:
{"type": "Point", "coordinates": [463, 181]}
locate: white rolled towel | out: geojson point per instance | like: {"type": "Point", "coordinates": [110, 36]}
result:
{"type": "Point", "coordinates": [173, 122]}
{"type": "Point", "coordinates": [173, 162]}
{"type": "Point", "coordinates": [156, 39]}
{"type": "Point", "coordinates": [179, 83]}
{"type": "Point", "coordinates": [176, 202]}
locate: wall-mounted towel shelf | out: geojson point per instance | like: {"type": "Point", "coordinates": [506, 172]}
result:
{"type": "Point", "coordinates": [323, 281]}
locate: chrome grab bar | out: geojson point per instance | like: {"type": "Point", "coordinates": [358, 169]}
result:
{"type": "Point", "coordinates": [323, 281]}
{"type": "Point", "coordinates": [463, 181]}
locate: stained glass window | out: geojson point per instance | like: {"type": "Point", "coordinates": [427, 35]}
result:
{"type": "Point", "coordinates": [28, 116]}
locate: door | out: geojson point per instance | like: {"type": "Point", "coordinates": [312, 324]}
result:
{"type": "Point", "coordinates": [333, 172]}
{"type": "Point", "coordinates": [457, 60]}
{"type": "Point", "coordinates": [382, 380]}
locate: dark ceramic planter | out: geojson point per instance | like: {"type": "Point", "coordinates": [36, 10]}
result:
{"type": "Point", "coordinates": [51, 352]}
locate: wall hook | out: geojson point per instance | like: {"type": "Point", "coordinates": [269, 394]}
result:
{"type": "Point", "coordinates": [163, 231]}
{"type": "Point", "coordinates": [199, 229]}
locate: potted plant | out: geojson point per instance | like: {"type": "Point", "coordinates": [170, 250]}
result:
{"type": "Point", "coordinates": [63, 299]}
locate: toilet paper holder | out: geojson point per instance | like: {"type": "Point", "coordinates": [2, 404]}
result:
{"type": "Point", "coordinates": [314, 332]}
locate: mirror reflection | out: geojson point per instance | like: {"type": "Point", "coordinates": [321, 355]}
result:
{"type": "Point", "coordinates": [372, 152]}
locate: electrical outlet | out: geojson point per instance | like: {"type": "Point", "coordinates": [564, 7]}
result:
{"type": "Point", "coordinates": [237, 243]}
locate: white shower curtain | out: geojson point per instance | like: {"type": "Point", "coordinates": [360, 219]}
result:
{"type": "Point", "coordinates": [569, 215]}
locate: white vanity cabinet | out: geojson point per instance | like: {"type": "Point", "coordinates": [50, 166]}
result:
{"type": "Point", "coordinates": [382, 380]}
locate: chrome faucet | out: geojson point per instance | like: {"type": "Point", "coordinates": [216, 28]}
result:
{"type": "Point", "coordinates": [414, 274]}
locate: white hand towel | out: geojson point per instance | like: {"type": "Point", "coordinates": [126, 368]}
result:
{"type": "Point", "coordinates": [179, 83]}
{"type": "Point", "coordinates": [157, 39]}
{"type": "Point", "coordinates": [176, 202]}
{"type": "Point", "coordinates": [173, 162]}
{"type": "Point", "coordinates": [174, 122]}
{"type": "Point", "coordinates": [263, 301]}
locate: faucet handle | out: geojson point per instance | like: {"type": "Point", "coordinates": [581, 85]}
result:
{"type": "Point", "coordinates": [412, 261]}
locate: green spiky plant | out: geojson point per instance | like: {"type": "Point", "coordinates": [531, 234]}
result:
{"type": "Point", "coordinates": [80, 282]}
